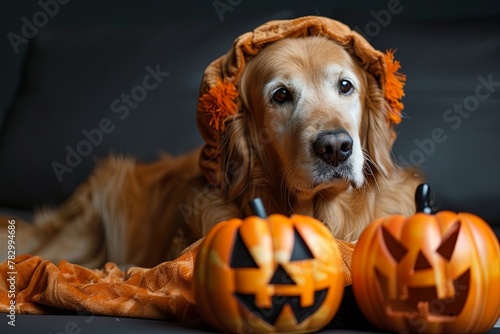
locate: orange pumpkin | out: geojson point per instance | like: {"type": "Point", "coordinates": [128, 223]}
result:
{"type": "Point", "coordinates": [428, 273]}
{"type": "Point", "coordinates": [273, 274]}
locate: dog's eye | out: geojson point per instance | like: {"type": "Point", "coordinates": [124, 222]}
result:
{"type": "Point", "coordinates": [345, 87]}
{"type": "Point", "coordinates": [281, 95]}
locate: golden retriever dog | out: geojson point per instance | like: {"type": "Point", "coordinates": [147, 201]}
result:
{"type": "Point", "coordinates": [311, 137]}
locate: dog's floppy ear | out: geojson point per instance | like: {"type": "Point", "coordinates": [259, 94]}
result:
{"type": "Point", "coordinates": [377, 131]}
{"type": "Point", "coordinates": [236, 156]}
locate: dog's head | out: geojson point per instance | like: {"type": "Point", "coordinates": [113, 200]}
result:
{"type": "Point", "coordinates": [308, 95]}
{"type": "Point", "coordinates": [311, 115]}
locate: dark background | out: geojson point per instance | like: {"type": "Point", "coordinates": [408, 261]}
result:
{"type": "Point", "coordinates": [91, 52]}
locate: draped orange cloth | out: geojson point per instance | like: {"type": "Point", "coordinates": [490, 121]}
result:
{"type": "Point", "coordinates": [162, 292]}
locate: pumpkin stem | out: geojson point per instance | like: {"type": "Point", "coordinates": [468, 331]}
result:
{"type": "Point", "coordinates": [423, 198]}
{"type": "Point", "coordinates": [257, 207]}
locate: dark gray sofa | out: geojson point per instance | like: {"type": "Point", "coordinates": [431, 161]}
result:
{"type": "Point", "coordinates": [66, 85]}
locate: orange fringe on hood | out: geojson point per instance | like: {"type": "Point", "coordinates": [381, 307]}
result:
{"type": "Point", "coordinates": [394, 82]}
{"type": "Point", "coordinates": [219, 101]}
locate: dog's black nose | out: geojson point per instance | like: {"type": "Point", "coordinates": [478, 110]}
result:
{"type": "Point", "coordinates": [333, 147]}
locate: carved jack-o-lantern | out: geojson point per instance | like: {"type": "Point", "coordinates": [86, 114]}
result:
{"type": "Point", "coordinates": [263, 275]}
{"type": "Point", "coordinates": [428, 273]}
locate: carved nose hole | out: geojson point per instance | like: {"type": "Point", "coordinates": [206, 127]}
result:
{"type": "Point", "coordinates": [421, 262]}
{"type": "Point", "coordinates": [281, 277]}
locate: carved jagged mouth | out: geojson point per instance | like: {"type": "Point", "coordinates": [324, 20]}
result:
{"type": "Point", "coordinates": [271, 314]}
{"type": "Point", "coordinates": [424, 300]}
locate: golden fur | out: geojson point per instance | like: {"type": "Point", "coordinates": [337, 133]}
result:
{"type": "Point", "coordinates": [143, 214]}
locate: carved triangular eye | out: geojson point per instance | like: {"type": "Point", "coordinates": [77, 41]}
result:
{"type": "Point", "coordinates": [394, 247]}
{"type": "Point", "coordinates": [241, 257]}
{"type": "Point", "coordinates": [300, 250]}
{"type": "Point", "coordinates": [449, 242]}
